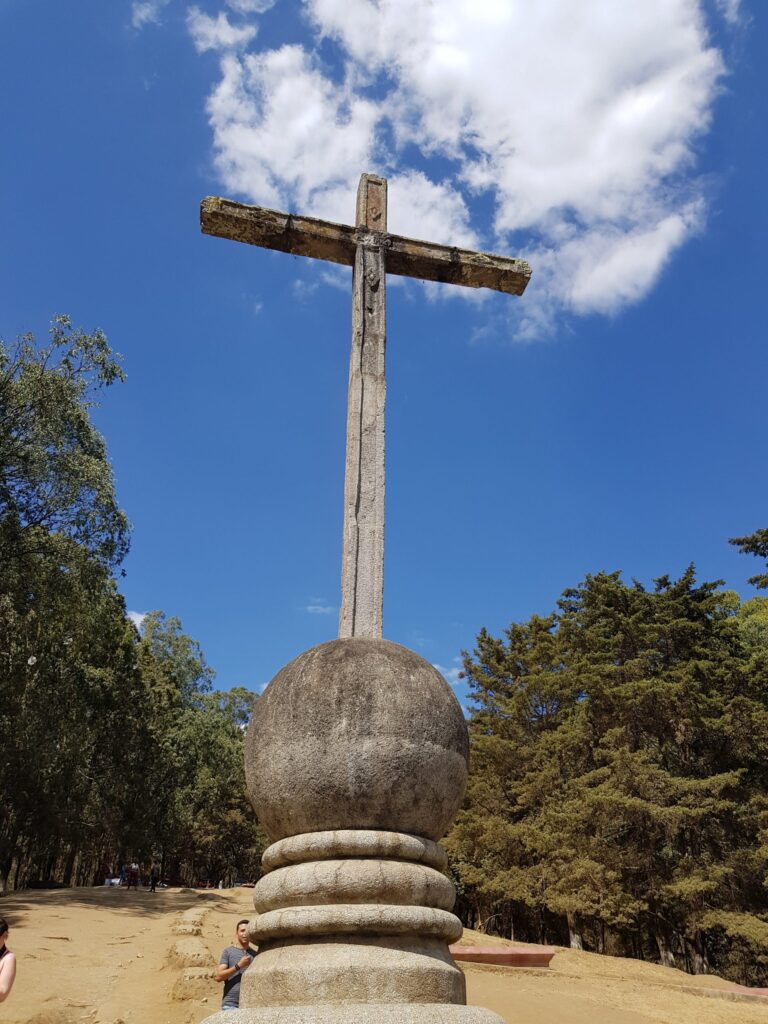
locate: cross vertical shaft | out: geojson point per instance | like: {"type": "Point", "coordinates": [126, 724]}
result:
{"type": "Point", "coordinates": [362, 566]}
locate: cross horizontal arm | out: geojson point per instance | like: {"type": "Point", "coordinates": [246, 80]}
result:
{"type": "Point", "coordinates": [324, 240]}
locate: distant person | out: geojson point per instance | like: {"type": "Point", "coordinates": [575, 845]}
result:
{"type": "Point", "coordinates": [8, 963]}
{"type": "Point", "coordinates": [154, 876]}
{"type": "Point", "coordinates": [123, 875]}
{"type": "Point", "coordinates": [133, 875]}
{"type": "Point", "coordinates": [232, 962]}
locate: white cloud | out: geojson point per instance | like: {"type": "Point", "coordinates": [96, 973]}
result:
{"type": "Point", "coordinates": [137, 618]}
{"type": "Point", "coordinates": [578, 121]}
{"type": "Point", "coordinates": [146, 12]}
{"type": "Point", "coordinates": [250, 6]}
{"type": "Point", "coordinates": [285, 134]}
{"type": "Point", "coordinates": [217, 33]}
{"type": "Point", "coordinates": [303, 290]}
{"type": "Point", "coordinates": [451, 675]}
{"type": "Point", "coordinates": [731, 10]}
{"type": "Point", "coordinates": [431, 211]}
{"type": "Point", "coordinates": [318, 607]}
{"type": "Point", "coordinates": [338, 277]}
{"type": "Point", "coordinates": [604, 267]}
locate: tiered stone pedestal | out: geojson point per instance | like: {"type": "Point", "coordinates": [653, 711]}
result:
{"type": "Point", "coordinates": [356, 764]}
{"type": "Point", "coordinates": [359, 913]}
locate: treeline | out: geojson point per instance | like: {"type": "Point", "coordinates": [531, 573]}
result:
{"type": "Point", "coordinates": [618, 795]}
{"type": "Point", "coordinates": [113, 745]}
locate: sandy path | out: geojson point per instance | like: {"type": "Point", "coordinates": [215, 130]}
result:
{"type": "Point", "coordinates": [97, 956]}
{"type": "Point", "coordinates": [100, 956]}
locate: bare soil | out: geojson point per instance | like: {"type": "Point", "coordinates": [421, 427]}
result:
{"type": "Point", "coordinates": [101, 956]}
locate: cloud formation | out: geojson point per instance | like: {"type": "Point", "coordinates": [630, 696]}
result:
{"type": "Point", "coordinates": [318, 606]}
{"type": "Point", "coordinates": [260, 6]}
{"type": "Point", "coordinates": [579, 122]}
{"type": "Point", "coordinates": [731, 10]}
{"type": "Point", "coordinates": [137, 618]}
{"type": "Point", "coordinates": [217, 33]}
{"type": "Point", "coordinates": [146, 12]}
{"type": "Point", "coordinates": [451, 675]}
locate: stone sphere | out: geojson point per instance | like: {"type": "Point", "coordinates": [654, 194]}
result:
{"type": "Point", "coordinates": [357, 734]}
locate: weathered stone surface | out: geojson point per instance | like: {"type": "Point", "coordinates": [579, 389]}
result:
{"type": "Point", "coordinates": [353, 970]}
{"type": "Point", "coordinates": [194, 983]}
{"type": "Point", "coordinates": [357, 918]}
{"type": "Point", "coordinates": [190, 952]}
{"type": "Point", "coordinates": [353, 929]}
{"type": "Point", "coordinates": [360, 1013]}
{"type": "Point", "coordinates": [353, 843]}
{"type": "Point", "coordinates": [353, 881]}
{"type": "Point", "coordinates": [357, 733]}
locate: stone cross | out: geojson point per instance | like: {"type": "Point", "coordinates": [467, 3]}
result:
{"type": "Point", "coordinates": [373, 253]}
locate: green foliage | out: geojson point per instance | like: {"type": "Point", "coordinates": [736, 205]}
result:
{"type": "Point", "coordinates": [740, 942]}
{"type": "Point", "coordinates": [111, 742]}
{"type": "Point", "coordinates": [619, 769]}
{"type": "Point", "coordinates": [754, 544]}
{"type": "Point", "coordinates": [201, 822]}
{"type": "Point", "coordinates": [56, 481]}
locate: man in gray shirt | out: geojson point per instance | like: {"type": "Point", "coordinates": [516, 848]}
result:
{"type": "Point", "coordinates": [232, 962]}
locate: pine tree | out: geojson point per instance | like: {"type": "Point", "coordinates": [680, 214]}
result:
{"type": "Point", "coordinates": [754, 544]}
{"type": "Point", "coordinates": [619, 769]}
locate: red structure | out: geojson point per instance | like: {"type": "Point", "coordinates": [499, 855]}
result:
{"type": "Point", "coordinates": [505, 956]}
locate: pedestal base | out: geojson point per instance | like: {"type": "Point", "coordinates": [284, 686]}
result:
{"type": "Point", "coordinates": [377, 969]}
{"type": "Point", "coordinates": [359, 1013]}
{"type": "Point", "coordinates": [357, 916]}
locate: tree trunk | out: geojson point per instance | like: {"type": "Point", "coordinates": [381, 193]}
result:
{"type": "Point", "coordinates": [666, 954]}
{"type": "Point", "coordinates": [16, 874]}
{"type": "Point", "coordinates": [698, 953]}
{"type": "Point", "coordinates": [575, 938]}
{"type": "Point", "coordinates": [9, 843]}
{"type": "Point", "coordinates": [69, 864]}
{"type": "Point", "coordinates": [47, 872]}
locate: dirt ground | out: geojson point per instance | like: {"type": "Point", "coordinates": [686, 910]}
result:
{"type": "Point", "coordinates": [101, 956]}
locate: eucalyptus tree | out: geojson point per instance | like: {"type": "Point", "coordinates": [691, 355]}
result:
{"type": "Point", "coordinates": [63, 646]}
{"type": "Point", "coordinates": [111, 741]}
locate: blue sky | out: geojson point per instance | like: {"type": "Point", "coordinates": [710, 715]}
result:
{"type": "Point", "coordinates": [612, 418]}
